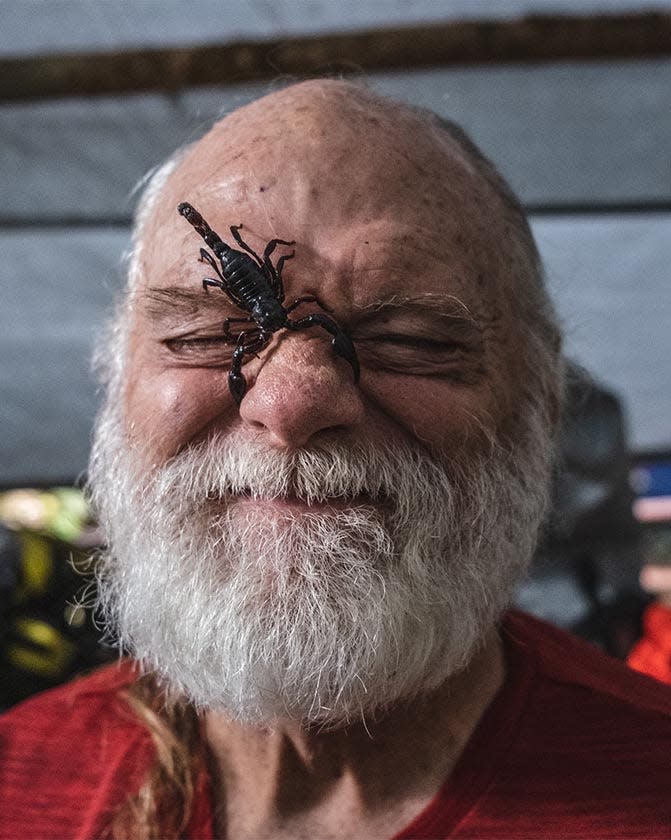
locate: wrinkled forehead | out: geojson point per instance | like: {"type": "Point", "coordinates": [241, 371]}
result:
{"type": "Point", "coordinates": [315, 147]}
{"type": "Point", "coordinates": [314, 161]}
{"type": "Point", "coordinates": [376, 142]}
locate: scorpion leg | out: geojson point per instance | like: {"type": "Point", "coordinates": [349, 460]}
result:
{"type": "Point", "coordinates": [210, 281]}
{"type": "Point", "coordinates": [270, 247]}
{"type": "Point", "coordinates": [205, 256]}
{"type": "Point", "coordinates": [222, 285]}
{"type": "Point", "coordinates": [237, 384]}
{"type": "Point", "coordinates": [241, 242]}
{"type": "Point", "coordinates": [276, 272]}
{"type": "Point", "coordinates": [229, 321]}
{"type": "Point", "coordinates": [342, 344]}
{"type": "Point", "coordinates": [298, 301]}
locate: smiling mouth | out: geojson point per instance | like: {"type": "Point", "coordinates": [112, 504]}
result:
{"type": "Point", "coordinates": [293, 502]}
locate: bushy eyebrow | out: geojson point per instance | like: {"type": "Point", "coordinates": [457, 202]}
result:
{"type": "Point", "coordinates": [174, 302]}
{"type": "Point", "coordinates": [449, 307]}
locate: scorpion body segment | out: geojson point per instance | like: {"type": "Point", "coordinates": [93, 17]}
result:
{"type": "Point", "coordinates": [240, 277]}
{"type": "Point", "coordinates": [254, 284]}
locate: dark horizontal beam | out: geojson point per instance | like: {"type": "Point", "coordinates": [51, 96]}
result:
{"type": "Point", "coordinates": [122, 222]}
{"type": "Point", "coordinates": [531, 39]}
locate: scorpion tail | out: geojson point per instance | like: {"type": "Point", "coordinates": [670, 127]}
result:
{"type": "Point", "coordinates": [194, 218]}
{"type": "Point", "coordinates": [190, 214]}
{"type": "Point", "coordinates": [201, 227]}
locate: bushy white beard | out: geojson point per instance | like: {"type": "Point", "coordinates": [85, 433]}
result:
{"type": "Point", "coordinates": [322, 617]}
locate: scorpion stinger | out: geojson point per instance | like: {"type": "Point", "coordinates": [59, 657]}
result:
{"type": "Point", "coordinates": [255, 286]}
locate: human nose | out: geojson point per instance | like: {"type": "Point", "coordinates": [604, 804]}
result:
{"type": "Point", "coordinates": [301, 389]}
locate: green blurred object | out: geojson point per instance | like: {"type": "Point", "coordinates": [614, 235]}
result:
{"type": "Point", "coordinates": [47, 628]}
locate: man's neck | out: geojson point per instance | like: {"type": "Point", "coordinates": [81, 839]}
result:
{"type": "Point", "coordinates": [369, 779]}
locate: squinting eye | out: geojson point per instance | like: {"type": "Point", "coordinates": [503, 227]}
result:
{"type": "Point", "coordinates": [201, 344]}
{"type": "Point", "coordinates": [417, 355]}
{"type": "Point", "coordinates": [413, 343]}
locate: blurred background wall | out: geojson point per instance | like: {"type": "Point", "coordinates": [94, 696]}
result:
{"type": "Point", "coordinates": [574, 106]}
{"type": "Point", "coordinates": [570, 98]}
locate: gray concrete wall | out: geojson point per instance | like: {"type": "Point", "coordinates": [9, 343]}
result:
{"type": "Point", "coordinates": [574, 139]}
{"type": "Point", "coordinates": [36, 26]}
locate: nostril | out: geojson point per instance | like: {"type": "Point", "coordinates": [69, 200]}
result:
{"type": "Point", "coordinates": [299, 389]}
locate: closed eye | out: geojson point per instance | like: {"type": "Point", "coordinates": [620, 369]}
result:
{"type": "Point", "coordinates": [419, 343]}
{"type": "Point", "coordinates": [202, 349]}
{"type": "Point", "coordinates": [201, 342]}
{"type": "Point", "coordinates": [419, 355]}
{"type": "Point", "coordinates": [413, 344]}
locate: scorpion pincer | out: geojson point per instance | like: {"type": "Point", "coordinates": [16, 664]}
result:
{"type": "Point", "coordinates": [254, 285]}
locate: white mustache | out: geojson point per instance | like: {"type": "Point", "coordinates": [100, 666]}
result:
{"type": "Point", "coordinates": [223, 468]}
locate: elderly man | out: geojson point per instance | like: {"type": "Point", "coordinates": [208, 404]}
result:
{"type": "Point", "coordinates": [310, 563]}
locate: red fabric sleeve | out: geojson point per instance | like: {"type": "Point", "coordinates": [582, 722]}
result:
{"type": "Point", "coordinates": [70, 757]}
{"type": "Point", "coordinates": [652, 654]}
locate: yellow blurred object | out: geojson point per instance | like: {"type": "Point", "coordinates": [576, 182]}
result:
{"type": "Point", "coordinates": [61, 512]}
{"type": "Point", "coordinates": [21, 509]}
{"type": "Point", "coordinates": [48, 634]}
{"type": "Point", "coordinates": [39, 648]}
{"type": "Point", "coordinates": [71, 515]}
{"type": "Point", "coordinates": [37, 566]}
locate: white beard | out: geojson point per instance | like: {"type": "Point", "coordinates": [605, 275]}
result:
{"type": "Point", "coordinates": [323, 617]}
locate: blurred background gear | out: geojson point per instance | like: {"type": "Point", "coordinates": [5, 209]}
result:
{"type": "Point", "coordinates": [586, 573]}
{"type": "Point", "coordinates": [47, 629]}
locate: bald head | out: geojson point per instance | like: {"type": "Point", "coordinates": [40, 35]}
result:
{"type": "Point", "coordinates": [324, 154]}
{"type": "Point", "coordinates": [321, 151]}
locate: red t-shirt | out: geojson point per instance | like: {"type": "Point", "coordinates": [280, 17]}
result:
{"type": "Point", "coordinates": [574, 745]}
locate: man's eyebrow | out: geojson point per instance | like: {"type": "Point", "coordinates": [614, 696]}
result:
{"type": "Point", "coordinates": [446, 306]}
{"type": "Point", "coordinates": [169, 302]}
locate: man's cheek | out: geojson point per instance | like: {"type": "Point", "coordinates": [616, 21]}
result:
{"type": "Point", "coordinates": [168, 410]}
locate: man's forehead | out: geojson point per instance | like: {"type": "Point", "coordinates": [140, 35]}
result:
{"type": "Point", "coordinates": [330, 138]}
{"type": "Point", "coordinates": [290, 166]}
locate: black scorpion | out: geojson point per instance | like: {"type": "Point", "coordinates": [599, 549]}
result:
{"type": "Point", "coordinates": [255, 286]}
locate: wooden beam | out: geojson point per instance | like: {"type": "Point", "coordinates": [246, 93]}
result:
{"type": "Point", "coordinates": [531, 39]}
{"type": "Point", "coordinates": [53, 224]}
